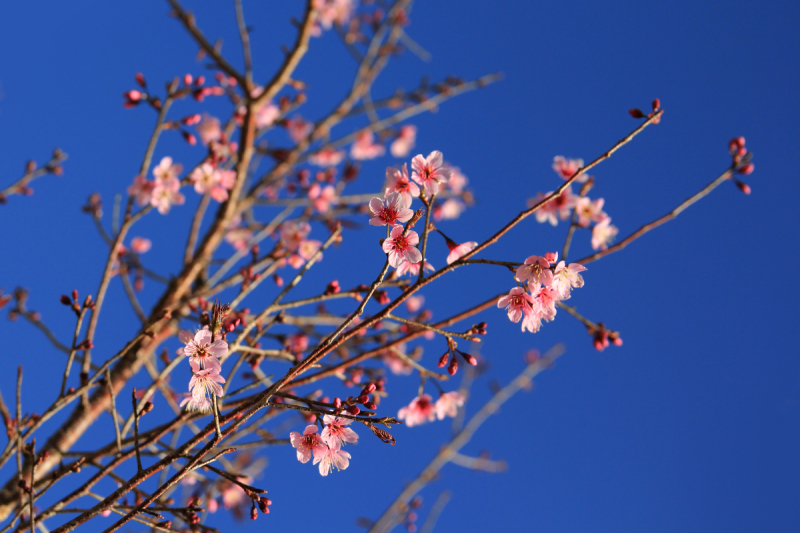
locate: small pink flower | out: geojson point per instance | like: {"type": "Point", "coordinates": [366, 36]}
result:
{"type": "Point", "coordinates": [429, 171]}
{"type": "Point", "coordinates": [603, 234]}
{"type": "Point", "coordinates": [518, 302]}
{"type": "Point", "coordinates": [398, 181]}
{"type": "Point", "coordinates": [214, 181]}
{"type": "Point", "coordinates": [205, 381]}
{"type": "Point", "coordinates": [567, 167]}
{"type": "Point", "coordinates": [327, 157]}
{"type": "Point", "coordinates": [166, 172]}
{"type": "Point", "coordinates": [412, 269]}
{"type": "Point", "coordinates": [330, 12]}
{"type": "Point", "coordinates": [567, 277]}
{"type": "Point", "coordinates": [308, 248]}
{"type": "Point", "coordinates": [535, 270]}
{"type": "Point", "coordinates": [448, 404]}
{"type": "Point", "coordinates": [142, 190]}
{"type": "Point", "coordinates": [292, 234]}
{"type": "Point", "coordinates": [559, 207]}
{"type": "Point", "coordinates": [365, 147]}
{"type": "Point", "coordinates": [209, 129]}
{"type": "Point", "coordinates": [237, 235]}
{"type": "Point", "coordinates": [336, 431]}
{"type": "Point", "coordinates": [322, 197]}
{"type": "Point", "coordinates": [140, 245]}
{"type": "Point", "coordinates": [589, 211]}
{"type": "Point", "coordinates": [457, 251]}
{"type": "Point", "coordinates": [391, 211]}
{"type": "Point", "coordinates": [332, 458]}
{"type": "Point", "coordinates": [458, 181]}
{"type": "Point", "coordinates": [165, 195]}
{"type": "Point", "coordinates": [298, 128]}
{"type": "Point", "coordinates": [450, 209]}
{"type": "Point", "coordinates": [310, 442]}
{"type": "Point", "coordinates": [396, 365]}
{"type": "Point", "coordinates": [544, 302]}
{"type": "Point", "coordinates": [420, 410]}
{"type": "Point", "coordinates": [196, 403]}
{"type": "Point", "coordinates": [267, 115]}
{"type": "Point", "coordinates": [402, 247]}
{"type": "Point", "coordinates": [404, 142]}
{"type": "Point", "coordinates": [201, 351]}
{"type": "Point", "coordinates": [414, 303]}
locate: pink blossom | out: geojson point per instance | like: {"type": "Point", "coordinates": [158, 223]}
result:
{"type": "Point", "coordinates": [142, 190]}
{"type": "Point", "coordinates": [457, 251]}
{"type": "Point", "coordinates": [391, 211]}
{"type": "Point", "coordinates": [237, 235]}
{"type": "Point", "coordinates": [567, 277]}
{"type": "Point", "coordinates": [420, 410]}
{"type": "Point", "coordinates": [559, 207]}
{"type": "Point", "coordinates": [429, 171]}
{"type": "Point", "coordinates": [308, 248]}
{"type": "Point", "coordinates": [166, 172]}
{"type": "Point", "coordinates": [412, 268]}
{"type": "Point", "coordinates": [457, 180]}
{"type": "Point", "coordinates": [414, 303]}
{"type": "Point", "coordinates": [397, 365]}
{"type": "Point", "coordinates": [331, 12]}
{"type": "Point", "coordinates": [397, 181]}
{"type": "Point", "coordinates": [404, 141]}
{"type": "Point", "coordinates": [332, 458]}
{"type": "Point", "coordinates": [298, 128]}
{"type": "Point", "coordinates": [165, 195]}
{"type": "Point", "coordinates": [322, 197]}
{"type": "Point", "coordinates": [310, 442]}
{"type": "Point", "coordinates": [365, 147]}
{"type": "Point", "coordinates": [267, 115]}
{"type": "Point", "coordinates": [535, 270]}
{"type": "Point", "coordinates": [214, 181]}
{"type": "Point", "coordinates": [450, 209]}
{"type": "Point", "coordinates": [205, 381]}
{"type": "Point", "coordinates": [544, 302]}
{"type": "Point", "coordinates": [327, 157]}
{"type": "Point", "coordinates": [518, 303]}
{"type": "Point", "coordinates": [567, 167]}
{"type": "Point", "coordinates": [402, 247]}
{"type": "Point", "coordinates": [196, 403]}
{"type": "Point", "coordinates": [448, 404]}
{"type": "Point", "coordinates": [209, 129]}
{"type": "Point", "coordinates": [589, 211]}
{"type": "Point", "coordinates": [141, 245]}
{"type": "Point", "coordinates": [336, 431]}
{"type": "Point", "coordinates": [603, 234]}
{"type": "Point", "coordinates": [201, 351]}
{"type": "Point", "coordinates": [292, 234]}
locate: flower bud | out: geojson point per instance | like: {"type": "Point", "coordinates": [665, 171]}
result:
{"type": "Point", "coordinates": [636, 113]}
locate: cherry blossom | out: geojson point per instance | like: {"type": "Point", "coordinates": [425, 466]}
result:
{"type": "Point", "coordinates": [310, 442]}
{"type": "Point", "coordinates": [391, 211]}
{"type": "Point", "coordinates": [365, 147]}
{"type": "Point", "coordinates": [420, 410]}
{"type": "Point", "coordinates": [448, 404]}
{"type": "Point", "coordinates": [397, 365]}
{"type": "Point", "coordinates": [567, 167]}
{"type": "Point", "coordinates": [209, 129]}
{"type": "Point", "coordinates": [167, 172]}
{"type": "Point", "coordinates": [404, 141]}
{"type": "Point", "coordinates": [535, 270]}
{"type": "Point", "coordinates": [559, 207]}
{"type": "Point", "coordinates": [165, 195]}
{"type": "Point", "coordinates": [214, 181]}
{"type": "Point", "coordinates": [544, 302]}
{"type": "Point", "coordinates": [201, 351]}
{"type": "Point", "coordinates": [412, 268]}
{"type": "Point", "coordinates": [450, 209]}
{"type": "Point", "coordinates": [331, 12]}
{"type": "Point", "coordinates": [603, 234]}
{"type": "Point", "coordinates": [237, 235]}
{"type": "Point", "coordinates": [205, 381]}
{"type": "Point", "coordinates": [589, 211]}
{"type": "Point", "coordinates": [402, 247]}
{"type": "Point", "coordinates": [332, 458]}
{"type": "Point", "coordinates": [327, 157]}
{"type": "Point", "coordinates": [566, 277]}
{"type": "Point", "coordinates": [518, 303]}
{"type": "Point", "coordinates": [398, 181]}
{"type": "Point", "coordinates": [142, 190]}
{"type": "Point", "coordinates": [298, 128]}
{"type": "Point", "coordinates": [322, 197]}
{"type": "Point", "coordinates": [293, 234]}
{"type": "Point", "coordinates": [267, 115]}
{"type": "Point", "coordinates": [429, 171]}
{"type": "Point", "coordinates": [336, 431]}
{"type": "Point", "coordinates": [141, 245]}
{"type": "Point", "coordinates": [457, 251]}
{"type": "Point", "coordinates": [196, 403]}
{"type": "Point", "coordinates": [458, 181]}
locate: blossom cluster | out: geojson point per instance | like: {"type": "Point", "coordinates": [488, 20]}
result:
{"type": "Point", "coordinates": [204, 353]}
{"type": "Point", "coordinates": [544, 282]}
{"type": "Point", "coordinates": [325, 447]}
{"type": "Point", "coordinates": [423, 409]}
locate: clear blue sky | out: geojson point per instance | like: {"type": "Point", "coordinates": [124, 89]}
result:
{"type": "Point", "coordinates": [692, 425]}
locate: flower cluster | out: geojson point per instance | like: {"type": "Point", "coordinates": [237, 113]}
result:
{"type": "Point", "coordinates": [164, 191]}
{"type": "Point", "coordinates": [545, 281]}
{"type": "Point", "coordinates": [204, 353]}
{"type": "Point", "coordinates": [423, 409]}
{"type": "Point", "coordinates": [325, 448]}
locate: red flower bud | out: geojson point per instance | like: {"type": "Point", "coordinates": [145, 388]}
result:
{"type": "Point", "coordinates": [636, 113]}
{"type": "Point", "coordinates": [656, 104]}
{"type": "Point", "coordinates": [746, 169]}
{"type": "Point", "coordinates": [745, 188]}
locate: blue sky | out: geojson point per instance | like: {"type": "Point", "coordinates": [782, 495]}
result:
{"type": "Point", "coordinates": [691, 425]}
